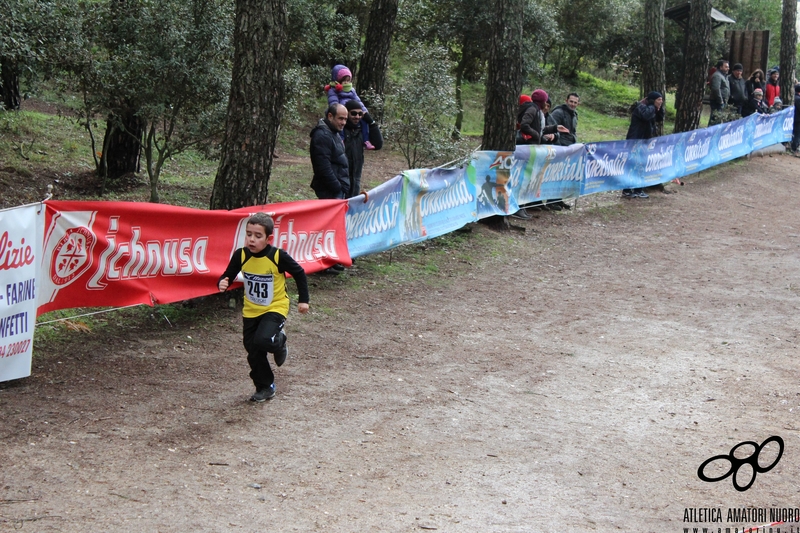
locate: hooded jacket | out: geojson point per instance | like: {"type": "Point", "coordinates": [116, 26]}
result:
{"type": "Point", "coordinates": [643, 120]}
{"type": "Point", "coordinates": [532, 123]}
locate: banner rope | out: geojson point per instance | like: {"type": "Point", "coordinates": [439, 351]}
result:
{"type": "Point", "coordinates": [87, 314]}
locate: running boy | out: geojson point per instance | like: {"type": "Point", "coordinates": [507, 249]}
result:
{"type": "Point", "coordinates": [266, 303]}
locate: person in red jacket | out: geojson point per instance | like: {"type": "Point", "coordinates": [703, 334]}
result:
{"type": "Point", "coordinates": [773, 89]}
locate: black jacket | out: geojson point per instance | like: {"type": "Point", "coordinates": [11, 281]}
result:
{"type": "Point", "coordinates": [331, 175]}
{"type": "Point", "coordinates": [643, 120]}
{"type": "Point", "coordinates": [738, 91]}
{"type": "Point", "coordinates": [568, 118]}
{"type": "Point", "coordinates": [354, 149]}
{"type": "Point", "coordinates": [532, 123]}
{"type": "Point", "coordinates": [753, 105]}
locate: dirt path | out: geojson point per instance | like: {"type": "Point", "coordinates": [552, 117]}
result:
{"type": "Point", "coordinates": [573, 382]}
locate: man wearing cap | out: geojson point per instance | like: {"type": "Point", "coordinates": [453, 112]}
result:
{"type": "Point", "coordinates": [354, 142]}
{"type": "Point", "coordinates": [720, 92]}
{"type": "Point", "coordinates": [738, 88]}
{"type": "Point", "coordinates": [644, 125]}
{"type": "Point", "coordinates": [532, 123]}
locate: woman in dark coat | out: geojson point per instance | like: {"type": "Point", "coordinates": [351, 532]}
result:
{"type": "Point", "coordinates": [755, 81]}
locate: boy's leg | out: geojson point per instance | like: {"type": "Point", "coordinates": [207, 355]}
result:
{"type": "Point", "coordinates": [262, 335]}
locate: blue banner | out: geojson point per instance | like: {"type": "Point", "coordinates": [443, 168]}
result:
{"type": "Point", "coordinates": [495, 175]}
{"type": "Point", "coordinates": [695, 147]}
{"type": "Point", "coordinates": [549, 172]}
{"type": "Point", "coordinates": [610, 166]}
{"type": "Point", "coordinates": [372, 220]}
{"type": "Point", "coordinates": [435, 202]}
{"type": "Point", "coordinates": [423, 204]}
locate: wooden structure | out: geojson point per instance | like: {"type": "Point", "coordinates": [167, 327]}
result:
{"type": "Point", "coordinates": [680, 14]}
{"type": "Point", "coordinates": [750, 48]}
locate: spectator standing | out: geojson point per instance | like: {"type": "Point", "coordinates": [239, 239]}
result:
{"type": "Point", "coordinates": [755, 81]}
{"type": "Point", "coordinates": [773, 89]}
{"type": "Point", "coordinates": [720, 92]}
{"type": "Point", "coordinates": [331, 173]}
{"type": "Point", "coordinates": [354, 145]}
{"type": "Point", "coordinates": [796, 129]}
{"type": "Point", "coordinates": [525, 102]}
{"type": "Point", "coordinates": [644, 125]}
{"type": "Point", "coordinates": [738, 88]}
{"type": "Point", "coordinates": [567, 115]}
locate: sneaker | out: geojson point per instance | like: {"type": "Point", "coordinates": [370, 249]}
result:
{"type": "Point", "coordinates": [368, 145]}
{"type": "Point", "coordinates": [283, 353]}
{"type": "Point", "coordinates": [642, 194]}
{"type": "Point", "coordinates": [263, 395]}
{"type": "Point", "coordinates": [627, 193]}
{"type": "Point", "coordinates": [338, 267]}
{"type": "Point", "coordinates": [524, 215]}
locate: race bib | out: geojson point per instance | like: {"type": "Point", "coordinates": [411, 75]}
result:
{"type": "Point", "coordinates": [258, 288]}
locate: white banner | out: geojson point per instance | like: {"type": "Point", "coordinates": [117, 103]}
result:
{"type": "Point", "coordinates": [20, 254]}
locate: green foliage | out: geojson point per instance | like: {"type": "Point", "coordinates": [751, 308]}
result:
{"type": "Point", "coordinates": [324, 33]}
{"type": "Point", "coordinates": [420, 111]}
{"type": "Point", "coordinates": [168, 60]}
{"type": "Point", "coordinates": [588, 30]}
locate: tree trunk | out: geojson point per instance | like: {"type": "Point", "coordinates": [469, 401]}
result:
{"type": "Point", "coordinates": [653, 77]}
{"type": "Point", "coordinates": [504, 75]}
{"type": "Point", "coordinates": [255, 106]}
{"type": "Point", "coordinates": [653, 63]}
{"type": "Point", "coordinates": [788, 60]}
{"type": "Point", "coordinates": [459, 100]}
{"type": "Point", "coordinates": [122, 144]}
{"type": "Point", "coordinates": [375, 61]}
{"type": "Point", "coordinates": [9, 83]}
{"type": "Point", "coordinates": [695, 69]}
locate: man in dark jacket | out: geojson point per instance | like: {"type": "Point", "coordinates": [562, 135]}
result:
{"type": "Point", "coordinates": [331, 175]}
{"type": "Point", "coordinates": [738, 88]}
{"type": "Point", "coordinates": [567, 116]}
{"type": "Point", "coordinates": [644, 118]}
{"type": "Point", "coordinates": [354, 142]}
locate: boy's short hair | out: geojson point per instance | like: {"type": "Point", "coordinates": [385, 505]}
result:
{"type": "Point", "coordinates": [262, 219]}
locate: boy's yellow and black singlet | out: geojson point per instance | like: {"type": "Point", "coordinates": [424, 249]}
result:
{"type": "Point", "coordinates": [264, 285]}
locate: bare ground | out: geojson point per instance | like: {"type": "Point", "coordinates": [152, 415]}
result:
{"type": "Point", "coordinates": [569, 378]}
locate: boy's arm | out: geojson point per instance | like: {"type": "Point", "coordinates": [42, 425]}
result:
{"type": "Point", "coordinates": [234, 266]}
{"type": "Point", "coordinates": [287, 264]}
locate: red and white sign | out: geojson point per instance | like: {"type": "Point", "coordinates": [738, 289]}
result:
{"type": "Point", "coordinates": [99, 254]}
{"type": "Point", "coordinates": [20, 251]}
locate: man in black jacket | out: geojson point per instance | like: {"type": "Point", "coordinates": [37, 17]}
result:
{"type": "Point", "coordinates": [331, 175]}
{"type": "Point", "coordinates": [567, 115]}
{"type": "Point", "coordinates": [354, 142]}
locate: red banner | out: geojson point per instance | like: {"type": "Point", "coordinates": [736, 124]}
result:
{"type": "Point", "coordinates": [100, 254]}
